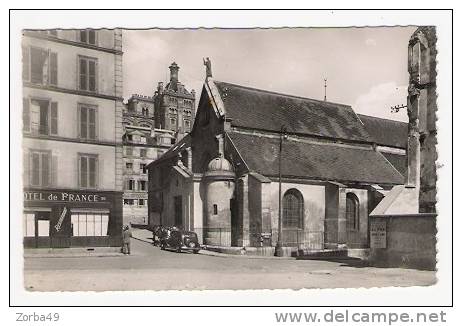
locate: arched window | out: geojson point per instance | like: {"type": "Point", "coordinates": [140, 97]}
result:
{"type": "Point", "coordinates": [292, 209]}
{"type": "Point", "coordinates": [352, 211]}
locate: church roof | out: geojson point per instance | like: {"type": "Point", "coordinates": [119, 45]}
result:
{"type": "Point", "coordinates": [386, 132]}
{"type": "Point", "coordinates": [265, 110]}
{"type": "Point", "coordinates": [323, 161]}
{"type": "Point", "coordinates": [398, 161]}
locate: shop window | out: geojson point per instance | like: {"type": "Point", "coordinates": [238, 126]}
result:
{"type": "Point", "coordinates": [89, 224]}
{"type": "Point", "coordinates": [292, 210]}
{"type": "Point", "coordinates": [43, 228]}
{"type": "Point", "coordinates": [87, 118]}
{"type": "Point", "coordinates": [88, 36]}
{"type": "Point", "coordinates": [88, 171]}
{"type": "Point", "coordinates": [88, 71]}
{"type": "Point", "coordinates": [40, 66]}
{"type": "Point", "coordinates": [40, 116]}
{"type": "Point", "coordinates": [352, 211]}
{"type": "Point", "coordinates": [40, 168]}
{"type": "Point", "coordinates": [29, 225]}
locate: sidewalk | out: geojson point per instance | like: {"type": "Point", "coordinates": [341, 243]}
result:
{"type": "Point", "coordinates": [72, 252]}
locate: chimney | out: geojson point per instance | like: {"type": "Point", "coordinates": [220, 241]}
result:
{"type": "Point", "coordinates": [174, 72]}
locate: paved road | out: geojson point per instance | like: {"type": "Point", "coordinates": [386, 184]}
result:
{"type": "Point", "coordinates": [150, 268]}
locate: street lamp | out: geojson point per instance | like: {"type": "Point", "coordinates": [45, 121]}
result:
{"type": "Point", "coordinates": [278, 250]}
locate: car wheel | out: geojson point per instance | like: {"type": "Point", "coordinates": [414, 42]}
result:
{"type": "Point", "coordinates": [178, 249]}
{"type": "Point", "coordinates": [196, 251]}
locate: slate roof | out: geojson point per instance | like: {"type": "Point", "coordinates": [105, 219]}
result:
{"type": "Point", "coordinates": [386, 132]}
{"type": "Point", "coordinates": [314, 161]}
{"type": "Point", "coordinates": [265, 110]}
{"type": "Point", "coordinates": [398, 161]}
{"type": "Point", "coordinates": [174, 150]}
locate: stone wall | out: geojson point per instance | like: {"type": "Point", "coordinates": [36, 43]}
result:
{"type": "Point", "coordinates": [410, 242]}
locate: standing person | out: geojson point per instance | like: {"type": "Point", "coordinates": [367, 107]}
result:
{"type": "Point", "coordinates": [126, 235]}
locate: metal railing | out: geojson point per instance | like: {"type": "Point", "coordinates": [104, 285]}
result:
{"type": "Point", "coordinates": [301, 239]}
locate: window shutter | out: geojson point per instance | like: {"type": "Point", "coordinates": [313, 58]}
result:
{"type": "Point", "coordinates": [92, 75]}
{"type": "Point", "coordinates": [83, 122]}
{"type": "Point", "coordinates": [54, 118]}
{"type": "Point", "coordinates": [53, 68]}
{"type": "Point", "coordinates": [92, 168]}
{"type": "Point", "coordinates": [46, 167]}
{"type": "Point", "coordinates": [54, 170]}
{"type": "Point", "coordinates": [83, 74]}
{"type": "Point", "coordinates": [25, 63]}
{"type": "Point", "coordinates": [83, 171]}
{"type": "Point", "coordinates": [26, 167]}
{"type": "Point", "coordinates": [99, 175]}
{"type": "Point", "coordinates": [91, 123]}
{"type": "Point", "coordinates": [25, 114]}
{"type": "Point", "coordinates": [35, 169]}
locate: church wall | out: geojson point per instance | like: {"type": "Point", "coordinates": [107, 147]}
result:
{"type": "Point", "coordinates": [361, 239]}
{"type": "Point", "coordinates": [314, 208]}
{"type": "Point", "coordinates": [255, 211]}
{"type": "Point", "coordinates": [331, 219]}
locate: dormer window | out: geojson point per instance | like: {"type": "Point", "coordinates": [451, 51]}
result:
{"type": "Point", "coordinates": [88, 36]}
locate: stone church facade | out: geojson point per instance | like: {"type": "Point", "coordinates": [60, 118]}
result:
{"type": "Point", "coordinates": [222, 180]}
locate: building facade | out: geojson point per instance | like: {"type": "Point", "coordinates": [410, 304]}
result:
{"type": "Point", "coordinates": [72, 127]}
{"type": "Point", "coordinates": [222, 180]}
{"type": "Point", "coordinates": [174, 105]}
{"type": "Point", "coordinates": [142, 144]}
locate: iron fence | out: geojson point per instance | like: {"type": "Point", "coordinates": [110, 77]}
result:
{"type": "Point", "coordinates": [301, 239]}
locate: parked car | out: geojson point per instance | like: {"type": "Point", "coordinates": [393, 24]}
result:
{"type": "Point", "coordinates": [173, 238]}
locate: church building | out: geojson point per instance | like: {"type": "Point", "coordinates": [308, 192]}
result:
{"type": "Point", "coordinates": [261, 167]}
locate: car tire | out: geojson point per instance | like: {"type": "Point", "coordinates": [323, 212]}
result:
{"type": "Point", "coordinates": [178, 250]}
{"type": "Point", "coordinates": [196, 251]}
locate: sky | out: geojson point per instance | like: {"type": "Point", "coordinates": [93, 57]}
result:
{"type": "Point", "coordinates": [364, 67]}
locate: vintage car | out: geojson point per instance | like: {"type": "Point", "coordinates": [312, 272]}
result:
{"type": "Point", "coordinates": [173, 238]}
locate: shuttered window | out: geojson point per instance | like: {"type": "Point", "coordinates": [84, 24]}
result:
{"type": "Point", "coordinates": [40, 168]}
{"type": "Point", "coordinates": [40, 66]}
{"type": "Point", "coordinates": [87, 116]}
{"type": "Point", "coordinates": [25, 115]}
{"type": "Point", "coordinates": [88, 171]}
{"type": "Point", "coordinates": [88, 68]}
{"type": "Point", "coordinates": [40, 116]}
